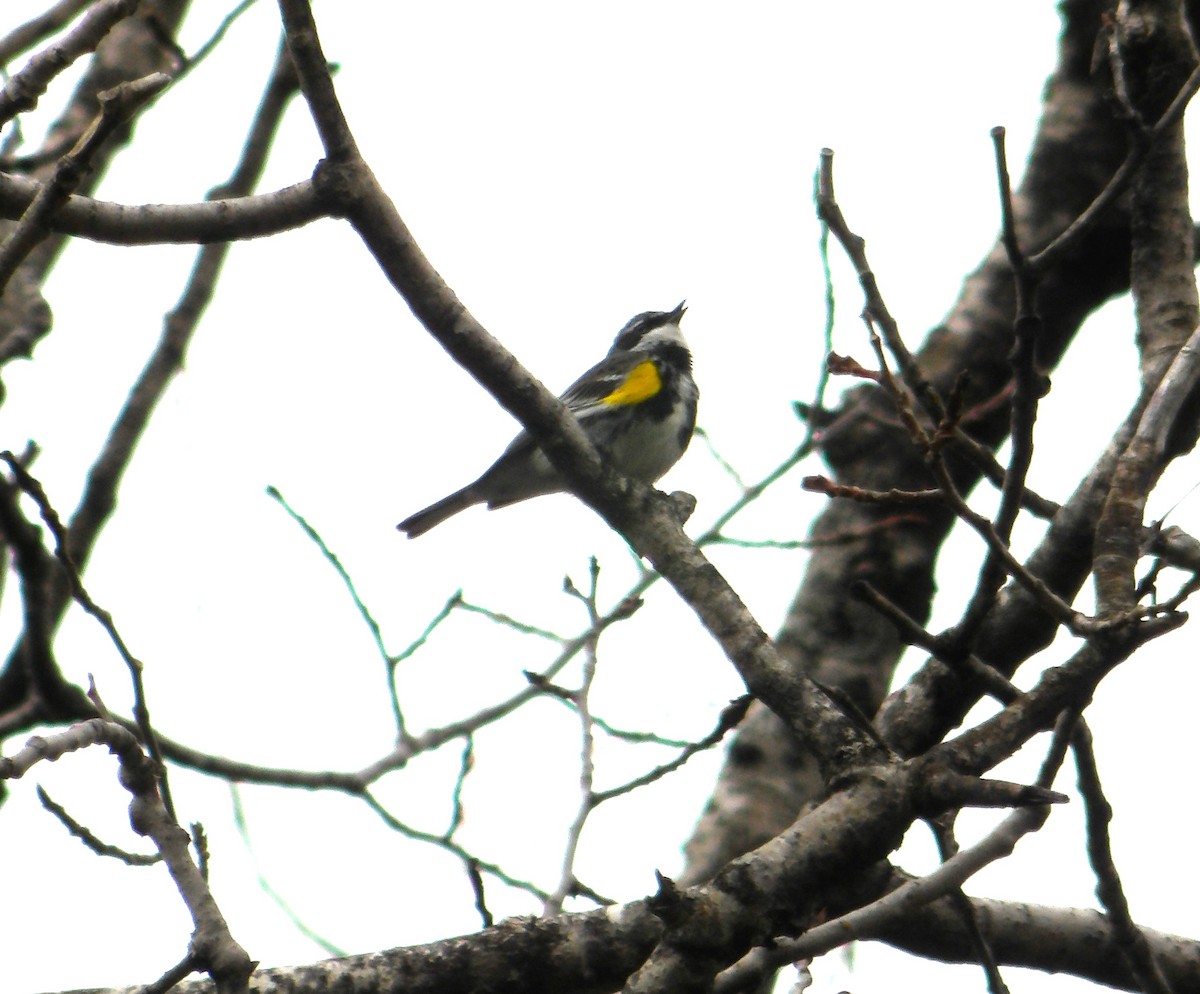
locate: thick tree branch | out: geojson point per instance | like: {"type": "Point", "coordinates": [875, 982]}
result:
{"type": "Point", "coordinates": [1078, 148]}
{"type": "Point", "coordinates": [1152, 53]}
{"type": "Point", "coordinates": [549, 956]}
{"type": "Point", "coordinates": [228, 219]}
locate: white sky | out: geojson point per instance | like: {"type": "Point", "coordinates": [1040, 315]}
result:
{"type": "Point", "coordinates": [563, 167]}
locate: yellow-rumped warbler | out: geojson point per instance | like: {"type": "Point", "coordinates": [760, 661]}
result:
{"type": "Point", "coordinates": [637, 405]}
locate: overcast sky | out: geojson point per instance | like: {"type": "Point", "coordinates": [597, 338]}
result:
{"type": "Point", "coordinates": [564, 167]}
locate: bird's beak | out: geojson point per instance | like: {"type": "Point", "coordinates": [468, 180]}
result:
{"type": "Point", "coordinates": [679, 312]}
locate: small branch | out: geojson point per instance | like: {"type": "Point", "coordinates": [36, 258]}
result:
{"type": "Point", "coordinates": [37, 687]}
{"type": "Point", "coordinates": [212, 945]}
{"type": "Point", "coordinates": [876, 918]}
{"type": "Point", "coordinates": [316, 80]}
{"type": "Point", "coordinates": [38, 28]}
{"type": "Point", "coordinates": [363, 611]}
{"type": "Point", "coordinates": [1062, 246]}
{"type": "Point", "coordinates": [1054, 605]}
{"type": "Point", "coordinates": [90, 839]}
{"type": "Point", "coordinates": [214, 40]}
{"type": "Point", "coordinates": [969, 666]}
{"type": "Point", "coordinates": [1029, 387]}
{"type": "Point", "coordinates": [1119, 531]}
{"type": "Point", "coordinates": [895, 906]}
{"type": "Point", "coordinates": [179, 325]}
{"type": "Point", "coordinates": [227, 220]}
{"type": "Point", "coordinates": [466, 763]}
{"type": "Point", "coordinates": [450, 846]}
{"type": "Point", "coordinates": [117, 106]}
{"type": "Point", "coordinates": [947, 789]}
{"type": "Point", "coordinates": [1067, 686]}
{"type": "Point", "coordinates": [876, 312]}
{"type": "Point", "coordinates": [1126, 934]}
{"type": "Point", "coordinates": [824, 485]}
{"type": "Point", "coordinates": [948, 848]}
{"type": "Point", "coordinates": [476, 879]}
{"type": "Point", "coordinates": [141, 709]}
{"type": "Point", "coordinates": [983, 460]}
{"type": "Point", "coordinates": [301, 926]}
{"type": "Point", "coordinates": [587, 751]}
{"type": "Point", "coordinates": [22, 91]}
{"type": "Point", "coordinates": [174, 976]}
{"type": "Point", "coordinates": [731, 716]}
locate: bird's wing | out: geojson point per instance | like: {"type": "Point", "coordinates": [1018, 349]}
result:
{"type": "Point", "coordinates": [624, 378]}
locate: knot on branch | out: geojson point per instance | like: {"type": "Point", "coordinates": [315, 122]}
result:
{"type": "Point", "coordinates": [669, 905]}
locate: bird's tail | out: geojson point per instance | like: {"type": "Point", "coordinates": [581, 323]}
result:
{"type": "Point", "coordinates": [435, 514]}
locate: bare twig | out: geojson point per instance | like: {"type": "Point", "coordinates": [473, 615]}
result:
{"type": "Point", "coordinates": [477, 889]}
{"type": "Point", "coordinates": [212, 944]}
{"type": "Point", "coordinates": [731, 715]}
{"type": "Point", "coordinates": [1119, 532]}
{"type": "Point", "coordinates": [969, 666]}
{"type": "Point", "coordinates": [117, 106]}
{"type": "Point", "coordinates": [1029, 386]}
{"type": "Point", "coordinates": [587, 750]}
{"type": "Point", "coordinates": [363, 611]}
{"type": "Point", "coordinates": [179, 972]}
{"type": "Point", "coordinates": [22, 91]}
{"type": "Point", "coordinates": [465, 764]}
{"type": "Point", "coordinates": [141, 709]}
{"type": "Point", "coordinates": [90, 839]}
{"type": "Point", "coordinates": [38, 28]}
{"type": "Point", "coordinates": [1065, 243]}
{"type": "Point", "coordinates": [450, 846]}
{"type": "Point", "coordinates": [948, 848]}
{"type": "Point", "coordinates": [824, 485]}
{"type": "Point", "coordinates": [301, 926]}
{"type": "Point", "coordinates": [1126, 934]}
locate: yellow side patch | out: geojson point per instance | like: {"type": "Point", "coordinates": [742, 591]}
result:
{"type": "Point", "coordinates": [642, 383]}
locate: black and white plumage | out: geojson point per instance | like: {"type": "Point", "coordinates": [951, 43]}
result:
{"type": "Point", "coordinates": [637, 405]}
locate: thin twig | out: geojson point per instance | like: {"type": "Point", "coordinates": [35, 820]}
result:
{"type": "Point", "coordinates": [876, 313]}
{"type": "Point", "coordinates": [141, 709]}
{"type": "Point", "coordinates": [1028, 387]}
{"type": "Point", "coordinates": [38, 28]}
{"type": "Point", "coordinates": [218, 952]}
{"type": "Point", "coordinates": [363, 611]}
{"type": "Point", "coordinates": [1065, 243]}
{"type": "Point", "coordinates": [948, 848]}
{"type": "Point", "coordinates": [191, 963]}
{"type": "Point", "coordinates": [301, 926]}
{"type": "Point", "coordinates": [1126, 934]}
{"type": "Point", "coordinates": [465, 764]}
{"type": "Point", "coordinates": [90, 839]}
{"type": "Point", "coordinates": [23, 90]}
{"type": "Point", "coordinates": [441, 842]}
{"type": "Point", "coordinates": [731, 717]}
{"type": "Point", "coordinates": [587, 751]}
{"type": "Point", "coordinates": [476, 879]}
{"type": "Point", "coordinates": [117, 106]}
{"type": "Point", "coordinates": [969, 666]}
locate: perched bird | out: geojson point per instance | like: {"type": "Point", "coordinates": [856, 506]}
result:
{"type": "Point", "coordinates": [637, 405]}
